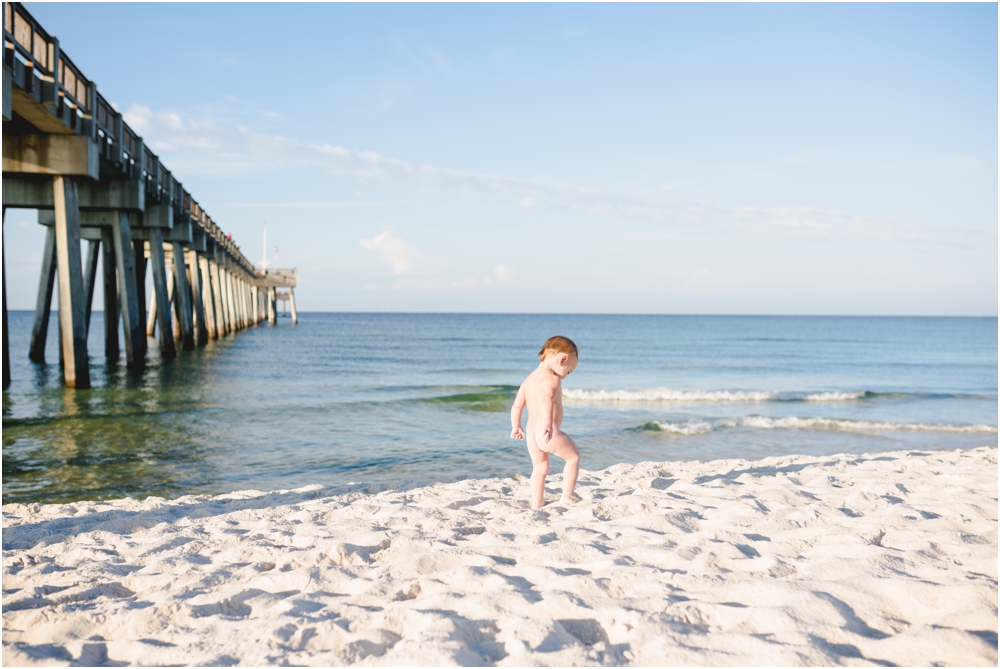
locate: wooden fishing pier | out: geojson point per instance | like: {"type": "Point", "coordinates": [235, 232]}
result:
{"type": "Point", "coordinates": [68, 153]}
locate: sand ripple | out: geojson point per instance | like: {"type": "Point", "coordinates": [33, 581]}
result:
{"type": "Point", "coordinates": [847, 560]}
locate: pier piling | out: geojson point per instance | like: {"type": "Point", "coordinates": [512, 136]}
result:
{"type": "Point", "coordinates": [72, 310]}
{"type": "Point", "coordinates": [217, 292]}
{"type": "Point", "coordinates": [128, 292]}
{"type": "Point", "coordinates": [151, 318]}
{"type": "Point", "coordinates": [139, 253]}
{"type": "Point", "coordinates": [6, 338]}
{"type": "Point", "coordinates": [90, 277]}
{"type": "Point", "coordinates": [182, 295]}
{"type": "Point", "coordinates": [207, 298]}
{"type": "Point", "coordinates": [197, 295]}
{"type": "Point", "coordinates": [43, 305]}
{"type": "Point", "coordinates": [164, 321]}
{"type": "Point", "coordinates": [110, 281]}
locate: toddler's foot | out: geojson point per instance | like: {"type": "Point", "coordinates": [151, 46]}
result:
{"type": "Point", "coordinates": [571, 498]}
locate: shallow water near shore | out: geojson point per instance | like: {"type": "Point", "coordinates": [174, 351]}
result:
{"type": "Point", "coordinates": [393, 397]}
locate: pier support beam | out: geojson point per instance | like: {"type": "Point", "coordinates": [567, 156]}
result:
{"type": "Point", "coordinates": [159, 266]}
{"type": "Point", "coordinates": [295, 315]}
{"type": "Point", "coordinates": [227, 291]}
{"type": "Point", "coordinates": [222, 315]}
{"type": "Point", "coordinates": [244, 304]}
{"type": "Point", "coordinates": [43, 304]}
{"type": "Point", "coordinates": [128, 292]}
{"type": "Point", "coordinates": [6, 337]}
{"type": "Point", "coordinates": [182, 296]}
{"type": "Point", "coordinates": [208, 298]}
{"type": "Point", "coordinates": [90, 277]}
{"type": "Point", "coordinates": [194, 268]}
{"type": "Point", "coordinates": [111, 350]}
{"type": "Point", "coordinates": [151, 318]}
{"type": "Point", "coordinates": [139, 252]}
{"type": "Point", "coordinates": [272, 316]}
{"type": "Point", "coordinates": [234, 300]}
{"type": "Point", "coordinates": [72, 310]}
{"type": "Point", "coordinates": [235, 290]}
{"type": "Point", "coordinates": [227, 323]}
{"type": "Point", "coordinates": [221, 326]}
{"type": "Point", "coordinates": [172, 296]}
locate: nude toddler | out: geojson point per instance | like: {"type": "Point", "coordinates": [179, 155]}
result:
{"type": "Point", "coordinates": [541, 392]}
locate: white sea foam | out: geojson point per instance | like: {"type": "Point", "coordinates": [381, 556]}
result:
{"type": "Point", "coordinates": [836, 396]}
{"type": "Point", "coordinates": [696, 426]}
{"type": "Point", "coordinates": [670, 395]}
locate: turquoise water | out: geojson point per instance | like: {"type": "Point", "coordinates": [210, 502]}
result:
{"type": "Point", "coordinates": [391, 397]}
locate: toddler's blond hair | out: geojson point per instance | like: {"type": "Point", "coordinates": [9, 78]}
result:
{"type": "Point", "coordinates": [558, 344]}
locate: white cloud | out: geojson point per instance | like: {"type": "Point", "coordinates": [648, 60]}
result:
{"type": "Point", "coordinates": [209, 146]}
{"type": "Point", "coordinates": [394, 252]}
{"type": "Point", "coordinates": [702, 283]}
{"type": "Point", "coordinates": [503, 274]}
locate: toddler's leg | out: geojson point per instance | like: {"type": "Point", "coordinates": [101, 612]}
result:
{"type": "Point", "coordinates": [564, 447]}
{"type": "Point", "coordinates": [539, 470]}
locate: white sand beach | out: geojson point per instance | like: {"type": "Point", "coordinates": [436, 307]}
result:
{"type": "Point", "coordinates": [840, 560]}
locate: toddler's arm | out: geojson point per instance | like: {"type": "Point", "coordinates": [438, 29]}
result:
{"type": "Point", "coordinates": [515, 415]}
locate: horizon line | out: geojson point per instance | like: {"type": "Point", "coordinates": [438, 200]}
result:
{"type": "Point", "coordinates": [535, 313]}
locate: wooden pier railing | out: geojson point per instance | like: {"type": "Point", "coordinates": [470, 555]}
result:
{"type": "Point", "coordinates": [69, 154]}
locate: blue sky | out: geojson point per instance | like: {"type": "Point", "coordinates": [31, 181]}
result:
{"type": "Point", "coordinates": [678, 158]}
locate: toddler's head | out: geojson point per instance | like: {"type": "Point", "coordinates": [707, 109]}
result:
{"type": "Point", "coordinates": [558, 344]}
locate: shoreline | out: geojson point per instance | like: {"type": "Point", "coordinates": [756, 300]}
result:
{"type": "Point", "coordinates": [844, 559]}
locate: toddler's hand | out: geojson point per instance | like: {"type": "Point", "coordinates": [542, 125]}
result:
{"type": "Point", "coordinates": [517, 433]}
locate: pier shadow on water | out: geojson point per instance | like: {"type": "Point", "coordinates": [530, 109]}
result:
{"type": "Point", "coordinates": [129, 435]}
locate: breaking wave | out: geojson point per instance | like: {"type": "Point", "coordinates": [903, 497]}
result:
{"type": "Point", "coordinates": [670, 395]}
{"type": "Point", "coordinates": [696, 426]}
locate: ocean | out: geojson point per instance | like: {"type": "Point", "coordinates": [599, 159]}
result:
{"type": "Point", "coordinates": [383, 398]}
